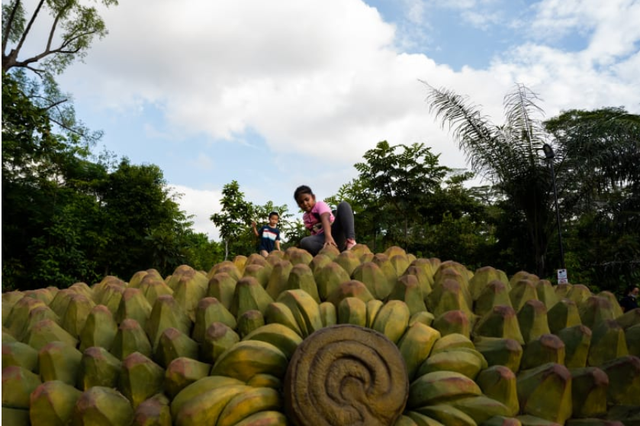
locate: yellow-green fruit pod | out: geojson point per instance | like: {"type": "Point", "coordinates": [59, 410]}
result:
{"type": "Point", "coordinates": [329, 314]}
{"type": "Point", "coordinates": [19, 354]}
{"type": "Point", "coordinates": [502, 421]}
{"type": "Point", "coordinates": [481, 278]}
{"type": "Point", "coordinates": [562, 290]}
{"type": "Point", "coordinates": [629, 319]}
{"type": "Point", "coordinates": [249, 295]}
{"type": "Point", "coordinates": [98, 368]}
{"type": "Point", "coordinates": [407, 289]}
{"type": "Point", "coordinates": [546, 293]}
{"type": "Point", "coordinates": [499, 382]}
{"type": "Point", "coordinates": [210, 310]}
{"type": "Point", "coordinates": [52, 403]}
{"type": "Point", "coordinates": [248, 403]}
{"type": "Point", "coordinates": [259, 272]}
{"type": "Point", "coordinates": [9, 299]}
{"type": "Point", "coordinates": [545, 392]}
{"type": "Point", "coordinates": [301, 277]}
{"type": "Point", "coordinates": [174, 344]}
{"type": "Point", "coordinates": [17, 385]}
{"type": "Point", "coordinates": [153, 286]}
{"type": "Point", "coordinates": [200, 387]}
{"type": "Point", "coordinates": [594, 310]}
{"type": "Point", "coordinates": [447, 414]}
{"type": "Point", "coordinates": [38, 314]}
{"type": "Point", "coordinates": [425, 279]}
{"type": "Point", "coordinates": [181, 373]}
{"type": "Point", "coordinates": [392, 320]}
{"type": "Point", "coordinates": [529, 420]}
{"type": "Point", "coordinates": [454, 271]}
{"type": "Point", "coordinates": [547, 348]}
{"type": "Point", "coordinates": [279, 277]}
{"type": "Point", "coordinates": [328, 279]}
{"type": "Point", "coordinates": [426, 266]}
{"type": "Point", "coordinates": [352, 311]}
{"type": "Point", "coordinates": [329, 251]}
{"type": "Point", "coordinates": [154, 411]}
{"type": "Point", "coordinates": [631, 335]}
{"type": "Point", "coordinates": [624, 380]}
{"type": "Point", "coordinates": [130, 338]}
{"type": "Point", "coordinates": [415, 345]}
{"type": "Point", "coordinates": [264, 418]}
{"type": "Point", "coordinates": [448, 296]}
{"type": "Point", "coordinates": [280, 313]}
{"type": "Point", "coordinates": [240, 261]}
{"type": "Point", "coordinates": [19, 318]}
{"type": "Point", "coordinates": [249, 321]}
{"type": "Point", "coordinates": [205, 408]}
{"type": "Point", "coordinates": [133, 306]}
{"type": "Point", "coordinates": [413, 418]}
{"type": "Point", "coordinates": [563, 314]}
{"type": "Point", "coordinates": [453, 322]}
{"type": "Point", "coordinates": [140, 378]}
{"type": "Point", "coordinates": [373, 307]}
{"type": "Point", "coordinates": [424, 317]}
{"type": "Point", "coordinates": [460, 361]}
{"type": "Point", "coordinates": [136, 278]}
{"type": "Point", "coordinates": [577, 341]}
{"type": "Point", "coordinates": [296, 255]}
{"type": "Point", "coordinates": [532, 320]}
{"type": "Point", "coordinates": [305, 310]}
{"type": "Point", "coordinates": [481, 408]}
{"type": "Point", "coordinates": [278, 335]}
{"type": "Point", "coordinates": [247, 358]}
{"type": "Point", "coordinates": [494, 293]}
{"type": "Point", "coordinates": [607, 343]}
{"type": "Point", "coordinates": [522, 275]}
{"type": "Point", "coordinates": [521, 291]}
{"type": "Point", "coordinates": [59, 361]}
{"type": "Point", "coordinates": [222, 286]}
{"type": "Point", "coordinates": [102, 406]}
{"type": "Point", "coordinates": [322, 259]}
{"type": "Point", "coordinates": [188, 289]}
{"type": "Point", "coordinates": [500, 322]}
{"type": "Point", "coordinates": [400, 262]}
{"type": "Point", "coordinates": [46, 331]}
{"type": "Point", "coordinates": [452, 341]}
{"type": "Point", "coordinates": [383, 262]}
{"type": "Point", "coordinates": [348, 260]}
{"type": "Point", "coordinates": [15, 416]}
{"type": "Point", "coordinates": [217, 339]}
{"type": "Point", "coordinates": [265, 381]}
{"type": "Point", "coordinates": [589, 392]}
{"type": "Point", "coordinates": [439, 387]}
{"type": "Point", "coordinates": [372, 276]}
{"type": "Point", "coordinates": [166, 312]}
{"type": "Point", "coordinates": [100, 329]}
{"type": "Point", "coordinates": [110, 294]}
{"type": "Point", "coordinates": [226, 266]}
{"type": "Point", "coordinates": [579, 293]}
{"type": "Point", "coordinates": [500, 351]}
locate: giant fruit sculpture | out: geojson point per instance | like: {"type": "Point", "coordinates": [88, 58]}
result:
{"type": "Point", "coordinates": [352, 338]}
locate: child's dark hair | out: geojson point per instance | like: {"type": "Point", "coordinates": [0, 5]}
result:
{"type": "Point", "coordinates": [273, 214]}
{"type": "Point", "coordinates": [301, 190]}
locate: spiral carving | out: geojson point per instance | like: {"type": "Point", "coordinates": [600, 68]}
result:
{"type": "Point", "coordinates": [346, 375]}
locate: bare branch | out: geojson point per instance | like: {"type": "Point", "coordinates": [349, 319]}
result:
{"type": "Point", "coordinates": [7, 31]}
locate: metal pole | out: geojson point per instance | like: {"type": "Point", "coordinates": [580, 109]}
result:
{"type": "Point", "coordinates": [555, 194]}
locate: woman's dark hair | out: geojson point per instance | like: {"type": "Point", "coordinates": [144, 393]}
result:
{"type": "Point", "coordinates": [301, 190]}
{"type": "Point", "coordinates": [631, 288]}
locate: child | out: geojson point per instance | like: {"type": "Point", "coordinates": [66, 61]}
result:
{"type": "Point", "coordinates": [326, 230]}
{"type": "Point", "coordinates": [269, 235]}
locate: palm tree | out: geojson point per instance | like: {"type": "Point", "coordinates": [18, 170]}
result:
{"type": "Point", "coordinates": [508, 155]}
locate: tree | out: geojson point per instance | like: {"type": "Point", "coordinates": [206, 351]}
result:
{"type": "Point", "coordinates": [72, 27]}
{"type": "Point", "coordinates": [235, 216]}
{"type": "Point", "coordinates": [599, 178]}
{"type": "Point", "coordinates": [508, 155]}
{"type": "Point", "coordinates": [404, 181]}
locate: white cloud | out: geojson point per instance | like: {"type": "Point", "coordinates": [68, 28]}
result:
{"type": "Point", "coordinates": [201, 204]}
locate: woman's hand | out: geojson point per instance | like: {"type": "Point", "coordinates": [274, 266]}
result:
{"type": "Point", "coordinates": [329, 241]}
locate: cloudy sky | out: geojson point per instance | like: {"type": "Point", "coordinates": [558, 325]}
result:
{"type": "Point", "coordinates": [275, 94]}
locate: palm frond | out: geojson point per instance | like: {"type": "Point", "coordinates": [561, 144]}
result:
{"type": "Point", "coordinates": [528, 135]}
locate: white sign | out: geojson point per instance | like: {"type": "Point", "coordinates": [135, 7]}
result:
{"type": "Point", "coordinates": [562, 276]}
